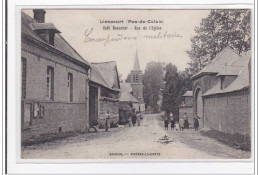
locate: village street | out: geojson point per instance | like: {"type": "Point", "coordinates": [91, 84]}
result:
{"type": "Point", "coordinates": [133, 143]}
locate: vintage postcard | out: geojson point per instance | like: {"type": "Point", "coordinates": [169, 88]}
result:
{"type": "Point", "coordinates": [136, 84]}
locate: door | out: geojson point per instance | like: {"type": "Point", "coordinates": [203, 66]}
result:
{"type": "Point", "coordinates": [93, 104]}
{"type": "Point", "coordinates": [27, 115]}
{"type": "Point", "coordinates": [199, 103]}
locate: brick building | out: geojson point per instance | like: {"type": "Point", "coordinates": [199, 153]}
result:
{"type": "Point", "coordinates": [221, 93]}
{"type": "Point", "coordinates": [54, 85]}
{"type": "Point", "coordinates": [104, 93]}
{"type": "Point", "coordinates": [187, 107]}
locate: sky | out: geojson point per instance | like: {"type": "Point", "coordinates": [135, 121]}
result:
{"type": "Point", "coordinates": [167, 41]}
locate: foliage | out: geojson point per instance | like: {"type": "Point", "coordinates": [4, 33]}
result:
{"type": "Point", "coordinates": [153, 81]}
{"type": "Point", "coordinates": [175, 85]}
{"type": "Point", "coordinates": [128, 78]}
{"type": "Point", "coordinates": [220, 29]}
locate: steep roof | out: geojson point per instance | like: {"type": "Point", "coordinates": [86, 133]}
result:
{"type": "Point", "coordinates": [136, 63]}
{"type": "Point", "coordinates": [225, 57]}
{"type": "Point", "coordinates": [29, 25]}
{"type": "Point", "coordinates": [188, 94]}
{"type": "Point", "coordinates": [108, 71]}
{"type": "Point", "coordinates": [96, 77]}
{"type": "Point", "coordinates": [241, 82]}
{"type": "Point", "coordinates": [127, 97]}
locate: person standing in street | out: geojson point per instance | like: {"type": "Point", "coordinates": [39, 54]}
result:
{"type": "Point", "coordinates": [129, 121]}
{"type": "Point", "coordinates": [107, 116]}
{"type": "Point", "coordinates": [138, 118]}
{"type": "Point", "coordinates": [181, 123]}
{"type": "Point", "coordinates": [166, 123]}
{"type": "Point", "coordinates": [196, 123]}
{"type": "Point", "coordinates": [186, 121]}
{"type": "Point", "coordinates": [172, 123]}
{"type": "Point", "coordinates": [134, 119]}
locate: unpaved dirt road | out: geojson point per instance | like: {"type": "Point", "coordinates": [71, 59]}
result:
{"type": "Point", "coordinates": [148, 141]}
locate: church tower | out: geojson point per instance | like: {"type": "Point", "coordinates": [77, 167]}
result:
{"type": "Point", "coordinates": [136, 80]}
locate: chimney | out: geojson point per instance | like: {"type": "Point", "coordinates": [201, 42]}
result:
{"type": "Point", "coordinates": [39, 15]}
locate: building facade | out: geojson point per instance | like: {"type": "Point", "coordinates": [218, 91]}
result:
{"type": "Point", "coordinates": [221, 93]}
{"type": "Point", "coordinates": [54, 85]}
{"type": "Point", "coordinates": [104, 93]}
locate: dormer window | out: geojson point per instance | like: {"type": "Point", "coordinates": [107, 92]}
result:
{"type": "Point", "coordinates": [226, 80]}
{"type": "Point", "coordinates": [46, 31]}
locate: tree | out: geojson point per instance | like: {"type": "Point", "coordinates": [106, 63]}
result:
{"type": "Point", "coordinates": [174, 86]}
{"type": "Point", "coordinates": [220, 29]}
{"type": "Point", "coordinates": [120, 77]}
{"type": "Point", "coordinates": [153, 81]}
{"type": "Point", "coordinates": [128, 78]}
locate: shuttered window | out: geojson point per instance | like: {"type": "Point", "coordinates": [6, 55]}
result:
{"type": "Point", "coordinates": [24, 68]}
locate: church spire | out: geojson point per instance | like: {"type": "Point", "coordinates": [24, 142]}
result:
{"type": "Point", "coordinates": [136, 63]}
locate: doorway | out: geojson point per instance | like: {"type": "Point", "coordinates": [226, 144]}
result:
{"type": "Point", "coordinates": [93, 105]}
{"type": "Point", "coordinates": [199, 106]}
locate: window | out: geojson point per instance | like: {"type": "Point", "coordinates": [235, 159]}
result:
{"type": "Point", "coordinates": [70, 86]}
{"type": "Point", "coordinates": [50, 83]}
{"type": "Point", "coordinates": [36, 110]}
{"type": "Point", "coordinates": [24, 64]}
{"type": "Point", "coordinates": [135, 78]}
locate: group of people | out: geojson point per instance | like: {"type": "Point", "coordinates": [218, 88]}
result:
{"type": "Point", "coordinates": [136, 118]}
{"type": "Point", "coordinates": [182, 124]}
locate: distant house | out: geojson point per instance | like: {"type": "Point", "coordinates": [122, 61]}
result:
{"type": "Point", "coordinates": [221, 93]}
{"type": "Point", "coordinates": [127, 103]}
{"type": "Point", "coordinates": [126, 98]}
{"type": "Point", "coordinates": [54, 81]}
{"type": "Point", "coordinates": [104, 93]}
{"type": "Point", "coordinates": [187, 107]}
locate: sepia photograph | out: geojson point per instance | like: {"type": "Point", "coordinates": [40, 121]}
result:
{"type": "Point", "coordinates": [136, 84]}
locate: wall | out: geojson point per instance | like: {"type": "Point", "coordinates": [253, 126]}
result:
{"type": "Point", "coordinates": [228, 112]}
{"type": "Point", "coordinates": [59, 112]}
{"type": "Point", "coordinates": [188, 100]}
{"type": "Point", "coordinates": [203, 83]}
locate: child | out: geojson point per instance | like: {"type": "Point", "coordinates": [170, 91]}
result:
{"type": "Point", "coordinates": [181, 123]}
{"type": "Point", "coordinates": [166, 122]}
{"type": "Point", "coordinates": [129, 121]}
{"type": "Point", "coordinates": [107, 115]}
{"type": "Point", "coordinates": [138, 118]}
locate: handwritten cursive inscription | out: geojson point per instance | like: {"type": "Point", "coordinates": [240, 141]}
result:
{"type": "Point", "coordinates": [120, 37]}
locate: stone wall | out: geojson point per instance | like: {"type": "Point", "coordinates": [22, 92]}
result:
{"type": "Point", "coordinates": [228, 112]}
